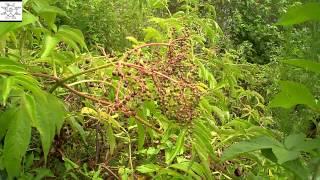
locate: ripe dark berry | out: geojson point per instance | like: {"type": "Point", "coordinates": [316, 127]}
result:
{"type": "Point", "coordinates": [126, 115]}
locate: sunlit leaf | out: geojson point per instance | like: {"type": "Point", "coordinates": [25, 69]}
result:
{"type": "Point", "coordinates": [300, 14]}
{"type": "Point", "coordinates": [51, 9]}
{"type": "Point", "coordinates": [292, 94]}
{"type": "Point", "coordinates": [305, 64]}
{"type": "Point", "coordinates": [249, 146]}
{"type": "Point", "coordinates": [294, 140]}
{"type": "Point", "coordinates": [76, 126]}
{"type": "Point", "coordinates": [152, 34]}
{"type": "Point", "coordinates": [49, 119]}
{"type": "Point", "coordinates": [187, 168]}
{"type": "Point", "coordinates": [88, 111]}
{"type": "Point", "coordinates": [297, 168]}
{"type": "Point", "coordinates": [49, 44]}
{"type": "Point", "coordinates": [178, 147]}
{"type": "Point", "coordinates": [41, 173]}
{"type": "Point", "coordinates": [132, 39]}
{"type": "Point", "coordinates": [283, 155]}
{"type": "Point", "coordinates": [5, 120]}
{"type": "Point", "coordinates": [49, 13]}
{"type": "Point", "coordinates": [10, 66]}
{"type": "Point", "coordinates": [111, 139]}
{"type": "Point", "coordinates": [207, 76]}
{"type": "Point", "coordinates": [6, 84]}
{"type": "Point", "coordinates": [30, 84]}
{"type": "Point", "coordinates": [148, 168]}
{"type": "Point", "coordinates": [141, 135]}
{"type": "Point", "coordinates": [72, 37]}
{"type": "Point", "coordinates": [17, 139]}
{"type": "Point", "coordinates": [11, 26]}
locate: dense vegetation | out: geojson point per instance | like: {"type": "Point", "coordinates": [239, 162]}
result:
{"type": "Point", "coordinates": [161, 89]}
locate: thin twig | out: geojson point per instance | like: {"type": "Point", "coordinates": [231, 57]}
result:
{"type": "Point", "coordinates": [62, 81]}
{"type": "Point", "coordinates": [125, 56]}
{"type": "Point", "coordinates": [98, 145]}
{"type": "Point", "coordinates": [110, 171]}
{"type": "Point", "coordinates": [142, 121]}
{"type": "Point", "coordinates": [103, 102]}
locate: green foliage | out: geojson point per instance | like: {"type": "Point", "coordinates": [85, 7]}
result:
{"type": "Point", "coordinates": [250, 28]}
{"type": "Point", "coordinates": [285, 154]}
{"type": "Point", "coordinates": [292, 94]}
{"type": "Point", "coordinates": [24, 104]}
{"type": "Point", "coordinates": [305, 64]}
{"type": "Point", "coordinates": [104, 23]}
{"type": "Point", "coordinates": [300, 14]}
{"type": "Point", "coordinates": [27, 106]}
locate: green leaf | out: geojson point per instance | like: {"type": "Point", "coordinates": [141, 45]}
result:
{"type": "Point", "coordinates": [283, 155]}
{"type": "Point", "coordinates": [300, 14]}
{"type": "Point", "coordinates": [77, 127]}
{"type": "Point", "coordinates": [63, 58]}
{"type": "Point", "coordinates": [69, 164]}
{"type": "Point", "coordinates": [49, 14]}
{"type": "Point", "coordinates": [72, 37]}
{"type": "Point", "coordinates": [171, 172]}
{"type": "Point", "coordinates": [41, 173]}
{"type": "Point", "coordinates": [11, 67]}
{"type": "Point", "coordinates": [51, 9]}
{"type": "Point", "coordinates": [292, 94]}
{"type": "Point", "coordinates": [148, 168]}
{"type": "Point", "coordinates": [206, 75]}
{"type": "Point", "coordinates": [222, 115]}
{"type": "Point", "coordinates": [294, 140]}
{"type": "Point", "coordinates": [28, 83]}
{"type": "Point", "coordinates": [297, 168]}
{"type": "Point", "coordinates": [305, 64]}
{"type": "Point", "coordinates": [6, 84]}
{"type": "Point", "coordinates": [50, 117]}
{"type": "Point", "coordinates": [268, 153]}
{"type": "Point", "coordinates": [5, 120]}
{"type": "Point", "coordinates": [141, 135]}
{"type": "Point", "coordinates": [198, 169]}
{"type": "Point", "coordinates": [199, 39]}
{"type": "Point", "coordinates": [7, 27]}
{"type": "Point", "coordinates": [152, 35]}
{"type": "Point", "coordinates": [307, 145]}
{"type": "Point", "coordinates": [203, 138]}
{"type": "Point", "coordinates": [178, 147]}
{"type": "Point", "coordinates": [263, 142]}
{"type": "Point", "coordinates": [187, 168]}
{"type": "Point", "coordinates": [31, 105]}
{"type": "Point", "coordinates": [49, 45]}
{"type": "Point", "coordinates": [11, 26]}
{"type": "Point", "coordinates": [17, 139]}
{"type": "Point", "coordinates": [111, 139]}
{"type": "Point", "coordinates": [133, 40]}
{"type": "Point", "coordinates": [205, 161]}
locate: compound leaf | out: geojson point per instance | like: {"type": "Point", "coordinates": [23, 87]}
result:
{"type": "Point", "coordinates": [305, 64]}
{"type": "Point", "coordinates": [300, 14]}
{"type": "Point", "coordinates": [263, 142]}
{"type": "Point", "coordinates": [17, 139]}
{"type": "Point", "coordinates": [292, 94]}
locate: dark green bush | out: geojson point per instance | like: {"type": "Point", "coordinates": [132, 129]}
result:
{"type": "Point", "coordinates": [250, 26]}
{"type": "Point", "coordinates": [104, 23]}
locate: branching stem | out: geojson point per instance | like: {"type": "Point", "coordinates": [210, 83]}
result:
{"type": "Point", "coordinates": [103, 102]}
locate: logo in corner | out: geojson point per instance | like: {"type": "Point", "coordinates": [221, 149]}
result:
{"type": "Point", "coordinates": [10, 11]}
